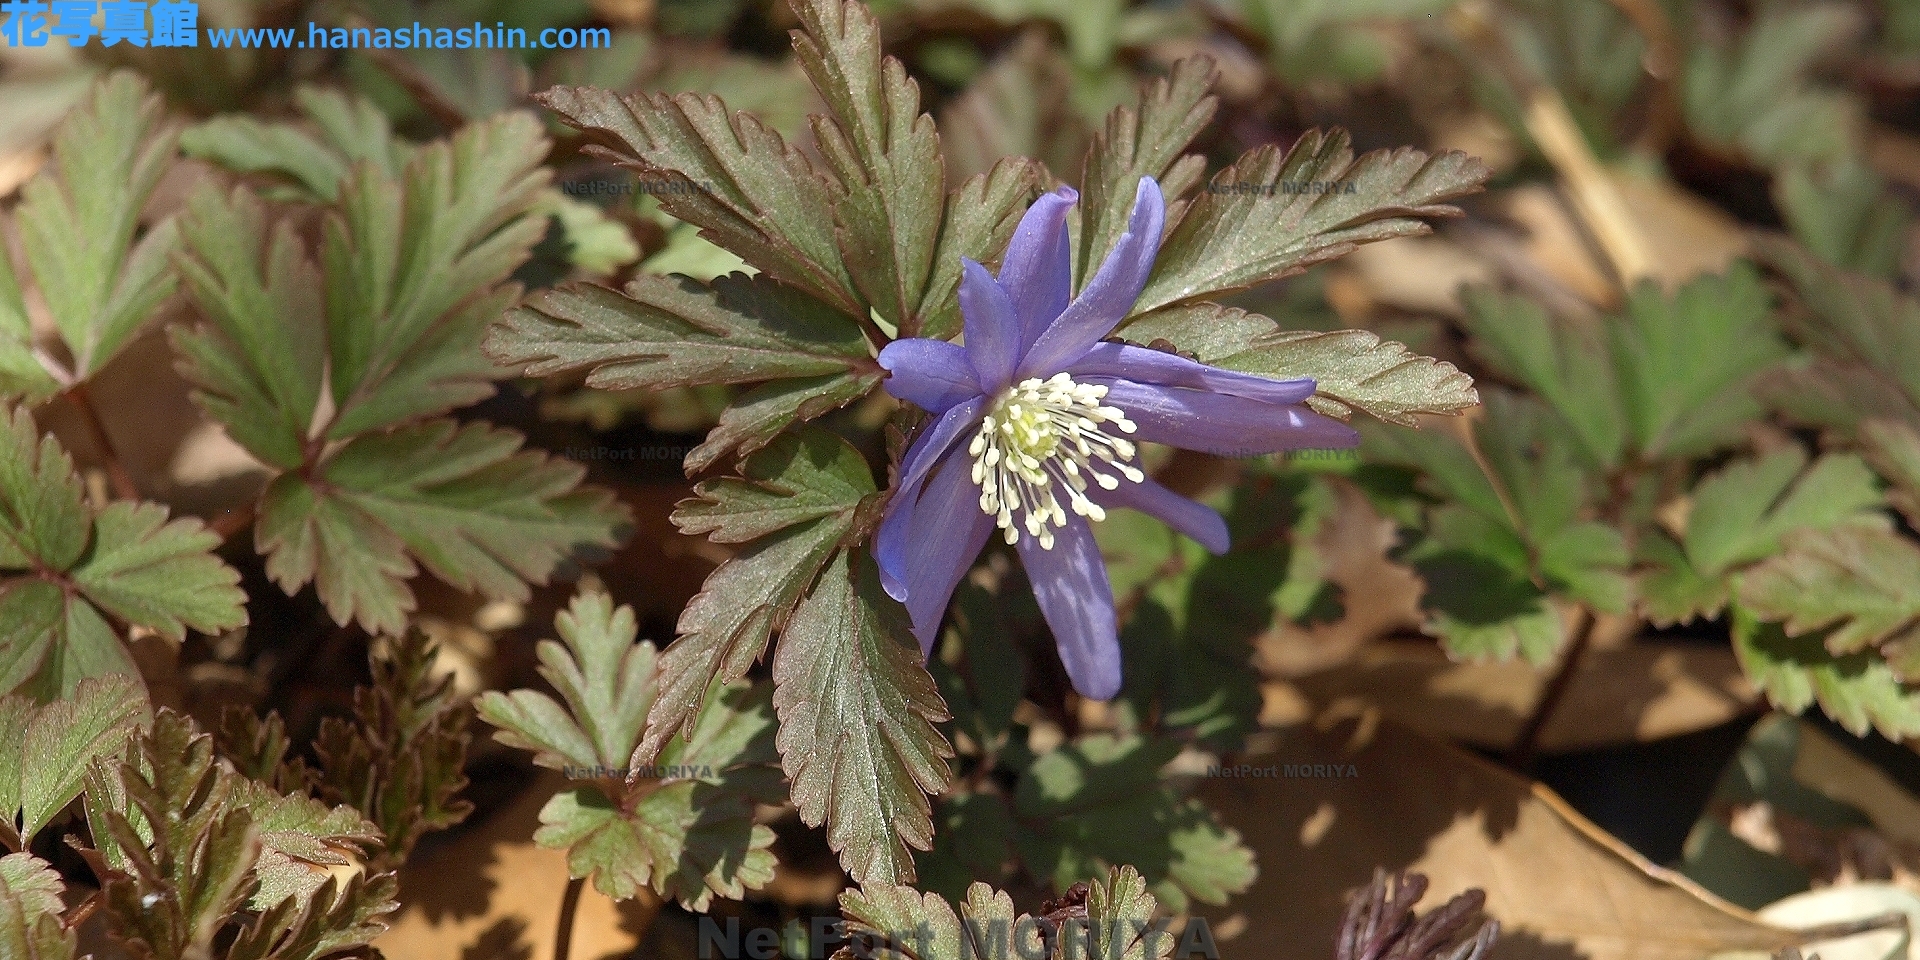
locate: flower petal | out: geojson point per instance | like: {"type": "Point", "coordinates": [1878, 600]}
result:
{"type": "Point", "coordinates": [930, 374]}
{"type": "Point", "coordinates": [1109, 296]}
{"type": "Point", "coordinates": [1197, 520]}
{"type": "Point", "coordinates": [1070, 581]}
{"type": "Point", "coordinates": [890, 543]}
{"type": "Point", "coordinates": [1141, 365]}
{"type": "Point", "coordinates": [947, 531]}
{"type": "Point", "coordinates": [993, 326]}
{"type": "Point", "coordinates": [1037, 270]}
{"type": "Point", "coordinates": [1221, 423]}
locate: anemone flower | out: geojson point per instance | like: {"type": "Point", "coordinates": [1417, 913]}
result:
{"type": "Point", "coordinates": [1036, 431]}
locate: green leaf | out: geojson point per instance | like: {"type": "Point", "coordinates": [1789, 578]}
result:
{"type": "Point", "coordinates": [1119, 906]}
{"type": "Point", "coordinates": [1843, 212]}
{"type": "Point", "coordinates": [972, 837]}
{"type": "Point", "coordinates": [465, 502]}
{"type": "Point", "coordinates": [1755, 96]}
{"type": "Point", "coordinates": [63, 570]}
{"type": "Point", "coordinates": [297, 834]}
{"type": "Point", "coordinates": [1100, 802]}
{"type": "Point", "coordinates": [1143, 139]}
{"type": "Point", "coordinates": [1237, 234]}
{"type": "Point", "coordinates": [1894, 450]}
{"type": "Point", "coordinates": [1686, 362]}
{"type": "Point", "coordinates": [1866, 339]}
{"type": "Point", "coordinates": [1208, 332]}
{"type": "Point", "coordinates": [160, 575]}
{"type": "Point", "coordinates": [857, 713]}
{"type": "Point", "coordinates": [1354, 369]}
{"type": "Point", "coordinates": [410, 296]}
{"type": "Point", "coordinates": [337, 917]}
{"type": "Point", "coordinates": [1741, 513]}
{"type": "Point", "coordinates": [604, 679]}
{"type": "Point", "coordinates": [678, 821]}
{"type": "Point", "coordinates": [1568, 366]}
{"type": "Point", "coordinates": [882, 148]}
{"type": "Point", "coordinates": [100, 281]}
{"type": "Point", "coordinates": [686, 840]}
{"type": "Point", "coordinates": [30, 909]}
{"type": "Point", "coordinates": [761, 413]}
{"type": "Point", "coordinates": [725, 628]}
{"type": "Point", "coordinates": [981, 217]}
{"type": "Point", "coordinates": [346, 130]}
{"type": "Point", "coordinates": [901, 923]}
{"type": "Point", "coordinates": [45, 751]}
{"type": "Point", "coordinates": [1864, 582]}
{"type": "Point", "coordinates": [1858, 690]}
{"type": "Point", "coordinates": [670, 332]}
{"type": "Point", "coordinates": [260, 359]}
{"type": "Point", "coordinates": [747, 189]}
{"type": "Point", "coordinates": [21, 371]}
{"type": "Point", "coordinates": [1479, 598]}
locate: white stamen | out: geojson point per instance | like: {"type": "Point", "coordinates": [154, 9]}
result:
{"type": "Point", "coordinates": [1042, 437]}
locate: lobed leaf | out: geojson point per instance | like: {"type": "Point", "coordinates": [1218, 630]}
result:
{"type": "Point", "coordinates": [882, 149]}
{"type": "Point", "coordinates": [605, 680]}
{"type": "Point", "coordinates": [857, 713]}
{"type": "Point", "coordinates": [31, 926]}
{"type": "Point", "coordinates": [1863, 582]}
{"type": "Point", "coordinates": [1143, 139]}
{"type": "Point", "coordinates": [45, 751]}
{"type": "Point", "coordinates": [101, 278]}
{"type": "Point", "coordinates": [1237, 233]}
{"type": "Point", "coordinates": [725, 628]}
{"type": "Point", "coordinates": [1860, 691]}
{"type": "Point", "coordinates": [1353, 369]}
{"type": "Point", "coordinates": [346, 130]}
{"type": "Point", "coordinates": [748, 190]}
{"type": "Point", "coordinates": [1865, 336]}
{"type": "Point", "coordinates": [465, 502]}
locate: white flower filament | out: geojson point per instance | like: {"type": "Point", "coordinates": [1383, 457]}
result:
{"type": "Point", "coordinates": [1045, 436]}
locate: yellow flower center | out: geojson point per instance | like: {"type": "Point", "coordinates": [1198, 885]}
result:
{"type": "Point", "coordinates": [1042, 437]}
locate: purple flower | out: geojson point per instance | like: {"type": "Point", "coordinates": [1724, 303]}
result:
{"type": "Point", "coordinates": [1036, 431]}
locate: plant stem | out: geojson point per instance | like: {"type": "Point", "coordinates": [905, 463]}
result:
{"type": "Point", "coordinates": [1521, 756]}
{"type": "Point", "coordinates": [226, 525]}
{"type": "Point", "coordinates": [117, 475]}
{"type": "Point", "coordinates": [563, 931]}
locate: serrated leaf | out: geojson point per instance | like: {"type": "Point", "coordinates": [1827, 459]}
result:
{"type": "Point", "coordinates": [726, 626]}
{"type": "Point", "coordinates": [1858, 690]}
{"type": "Point", "coordinates": [21, 372]}
{"type": "Point", "coordinates": [1741, 513]}
{"type": "Point", "coordinates": [347, 130]}
{"type": "Point", "coordinates": [64, 569]}
{"type": "Point", "coordinates": [297, 833]}
{"type": "Point", "coordinates": [158, 574]}
{"type": "Point", "coordinates": [980, 220]}
{"type": "Point", "coordinates": [605, 680]}
{"type": "Point", "coordinates": [857, 713]}
{"type": "Point", "coordinates": [1866, 337]}
{"type": "Point", "coordinates": [687, 840]}
{"type": "Point", "coordinates": [1100, 802]}
{"type": "Point", "coordinates": [882, 149]}
{"type": "Point", "coordinates": [670, 332]}
{"type": "Point", "coordinates": [1754, 95]}
{"type": "Point", "coordinates": [1864, 582]}
{"type": "Point", "coordinates": [31, 926]}
{"type": "Point", "coordinates": [465, 502]}
{"type": "Point", "coordinates": [336, 917]}
{"type": "Point", "coordinates": [1844, 213]}
{"type": "Point", "coordinates": [100, 281]}
{"type": "Point", "coordinates": [45, 751]}
{"type": "Point", "coordinates": [1686, 361]}
{"type": "Point", "coordinates": [747, 189]}
{"type": "Point", "coordinates": [1120, 911]}
{"type": "Point", "coordinates": [760, 414]}
{"type": "Point", "coordinates": [1323, 204]}
{"type": "Point", "coordinates": [1894, 450]}
{"type": "Point", "coordinates": [1353, 369]}
{"type": "Point", "coordinates": [1144, 138]}
{"type": "Point", "coordinates": [1208, 332]}
{"type": "Point", "coordinates": [1569, 366]}
{"type": "Point", "coordinates": [259, 361]}
{"type": "Point", "coordinates": [410, 297]}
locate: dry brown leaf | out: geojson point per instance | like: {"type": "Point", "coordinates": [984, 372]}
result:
{"type": "Point", "coordinates": [1381, 596]}
{"type": "Point", "coordinates": [1421, 274]}
{"type": "Point", "coordinates": [1560, 886]}
{"type": "Point", "coordinates": [1632, 694]}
